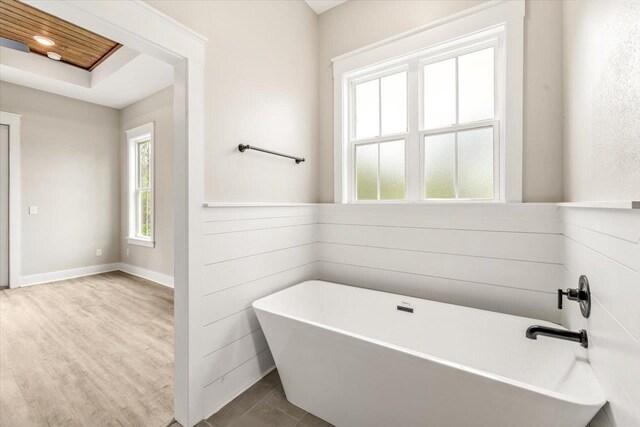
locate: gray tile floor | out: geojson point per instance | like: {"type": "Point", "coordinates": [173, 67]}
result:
{"type": "Point", "coordinates": [262, 405]}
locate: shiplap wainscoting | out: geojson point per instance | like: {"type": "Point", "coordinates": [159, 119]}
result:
{"type": "Point", "coordinates": [250, 252]}
{"type": "Point", "coordinates": [604, 245]}
{"type": "Point", "coordinates": [504, 258]}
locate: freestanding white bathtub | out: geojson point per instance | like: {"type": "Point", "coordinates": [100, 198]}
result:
{"type": "Point", "coordinates": [351, 357]}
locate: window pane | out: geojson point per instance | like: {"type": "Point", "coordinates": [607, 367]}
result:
{"type": "Point", "coordinates": [475, 82]}
{"type": "Point", "coordinates": [145, 213]}
{"type": "Point", "coordinates": [439, 94]}
{"type": "Point", "coordinates": [392, 170]}
{"type": "Point", "coordinates": [367, 115]}
{"type": "Point", "coordinates": [367, 172]}
{"type": "Point", "coordinates": [439, 166]}
{"type": "Point", "coordinates": [143, 164]}
{"type": "Point", "coordinates": [394, 103]}
{"type": "Point", "coordinates": [475, 164]}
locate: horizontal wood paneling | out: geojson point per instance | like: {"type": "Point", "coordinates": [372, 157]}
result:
{"type": "Point", "coordinates": [225, 331]}
{"type": "Point", "coordinates": [236, 299]}
{"type": "Point", "coordinates": [215, 227]}
{"type": "Point", "coordinates": [611, 282]}
{"type": "Point", "coordinates": [519, 302]}
{"type": "Point", "coordinates": [524, 217]}
{"type": "Point", "coordinates": [506, 245]}
{"type": "Point", "coordinates": [224, 275]}
{"type": "Point", "coordinates": [604, 245]}
{"type": "Point", "coordinates": [514, 274]}
{"type": "Point", "coordinates": [620, 223]}
{"type": "Point", "coordinates": [501, 257]}
{"type": "Point", "coordinates": [233, 355]}
{"type": "Point", "coordinates": [235, 213]}
{"type": "Point", "coordinates": [250, 252]}
{"type": "Point", "coordinates": [622, 249]}
{"type": "Point", "coordinates": [229, 246]}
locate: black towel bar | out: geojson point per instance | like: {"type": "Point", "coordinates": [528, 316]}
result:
{"type": "Point", "coordinates": [243, 147]}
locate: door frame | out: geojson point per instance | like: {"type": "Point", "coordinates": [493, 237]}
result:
{"type": "Point", "coordinates": [142, 27]}
{"type": "Point", "coordinates": [13, 122]}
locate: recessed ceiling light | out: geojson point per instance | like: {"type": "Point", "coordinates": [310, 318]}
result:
{"type": "Point", "coordinates": [43, 40]}
{"type": "Point", "coordinates": [54, 56]}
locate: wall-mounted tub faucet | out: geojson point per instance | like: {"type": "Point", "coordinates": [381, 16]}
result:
{"type": "Point", "coordinates": [563, 334]}
{"type": "Point", "coordinates": [581, 294]}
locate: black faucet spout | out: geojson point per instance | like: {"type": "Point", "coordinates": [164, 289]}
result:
{"type": "Point", "coordinates": [563, 334]}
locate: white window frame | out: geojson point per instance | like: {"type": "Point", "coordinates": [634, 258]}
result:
{"type": "Point", "coordinates": [496, 23]}
{"type": "Point", "coordinates": [492, 40]}
{"type": "Point", "coordinates": [134, 137]}
{"type": "Point", "coordinates": [353, 142]}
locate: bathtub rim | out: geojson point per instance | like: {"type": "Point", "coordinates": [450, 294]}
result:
{"type": "Point", "coordinates": [601, 401]}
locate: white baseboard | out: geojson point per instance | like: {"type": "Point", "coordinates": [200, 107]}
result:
{"type": "Point", "coordinates": [55, 276]}
{"type": "Point", "coordinates": [160, 278]}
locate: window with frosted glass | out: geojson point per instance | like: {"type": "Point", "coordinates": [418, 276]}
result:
{"type": "Point", "coordinates": [379, 117]}
{"type": "Point", "coordinates": [458, 126]}
{"type": "Point", "coordinates": [380, 106]}
{"type": "Point", "coordinates": [459, 165]}
{"type": "Point", "coordinates": [367, 171]}
{"type": "Point", "coordinates": [380, 170]}
{"type": "Point", "coordinates": [440, 166]}
{"type": "Point", "coordinates": [391, 176]}
{"type": "Point", "coordinates": [428, 126]}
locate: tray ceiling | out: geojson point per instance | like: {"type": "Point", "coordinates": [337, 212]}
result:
{"type": "Point", "coordinates": [74, 44]}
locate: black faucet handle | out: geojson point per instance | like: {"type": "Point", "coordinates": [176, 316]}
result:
{"type": "Point", "coordinates": [560, 294]}
{"type": "Point", "coordinates": [581, 294]}
{"type": "Point", "coordinates": [572, 294]}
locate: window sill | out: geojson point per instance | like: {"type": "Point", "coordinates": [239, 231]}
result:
{"type": "Point", "coordinates": [141, 242]}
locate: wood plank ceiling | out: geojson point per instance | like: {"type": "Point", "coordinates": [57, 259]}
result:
{"type": "Point", "coordinates": [74, 44]}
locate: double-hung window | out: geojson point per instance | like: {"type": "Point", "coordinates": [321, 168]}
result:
{"type": "Point", "coordinates": [435, 115]}
{"type": "Point", "coordinates": [141, 208]}
{"type": "Point", "coordinates": [459, 124]}
{"type": "Point", "coordinates": [379, 134]}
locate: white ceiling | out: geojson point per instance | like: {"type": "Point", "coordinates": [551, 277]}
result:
{"type": "Point", "coordinates": [125, 77]}
{"type": "Point", "coordinates": [320, 6]}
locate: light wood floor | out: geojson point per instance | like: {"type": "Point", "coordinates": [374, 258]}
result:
{"type": "Point", "coordinates": [91, 351]}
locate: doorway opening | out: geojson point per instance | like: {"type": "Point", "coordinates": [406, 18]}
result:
{"type": "Point", "coordinates": [162, 39]}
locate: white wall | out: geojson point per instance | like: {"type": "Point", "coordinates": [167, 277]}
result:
{"type": "Point", "coordinates": [249, 253]}
{"type": "Point", "coordinates": [355, 24]}
{"type": "Point", "coordinates": [261, 88]}
{"type": "Point", "coordinates": [602, 100]}
{"type": "Point", "coordinates": [499, 258]}
{"type": "Point", "coordinates": [604, 245]}
{"type": "Point", "coordinates": [602, 162]}
{"type": "Point", "coordinates": [70, 170]}
{"type": "Point", "coordinates": [156, 108]}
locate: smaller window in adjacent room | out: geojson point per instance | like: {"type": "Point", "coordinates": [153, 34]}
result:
{"type": "Point", "coordinates": [141, 208]}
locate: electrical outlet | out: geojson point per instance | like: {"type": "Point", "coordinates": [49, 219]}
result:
{"type": "Point", "coordinates": [33, 210]}
{"type": "Point", "coordinates": [98, 252]}
{"type": "Point", "coordinates": [127, 251]}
